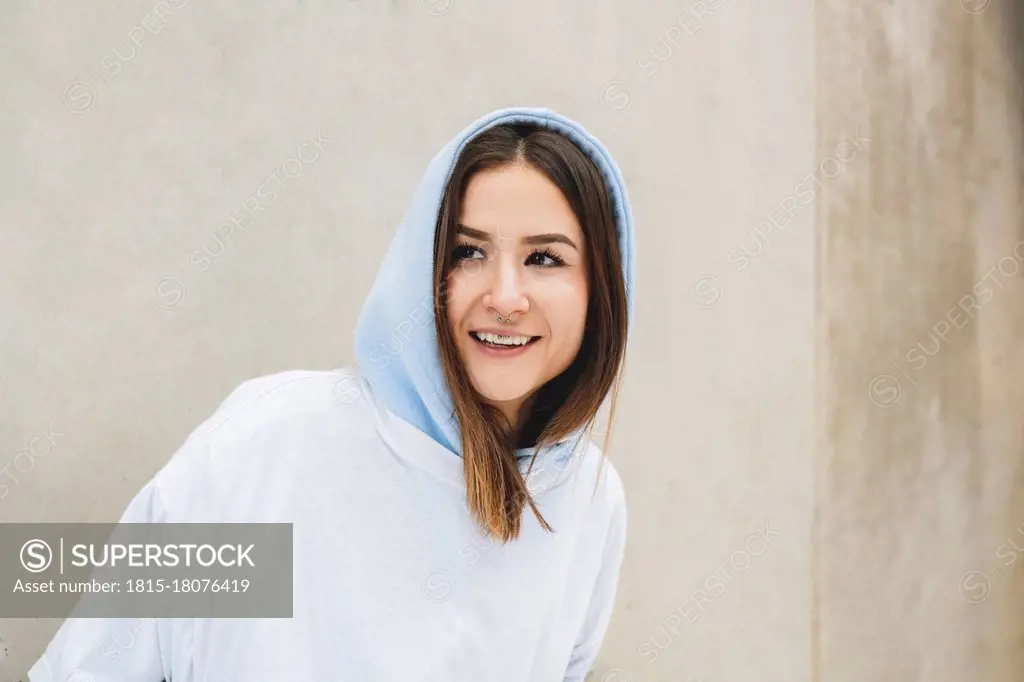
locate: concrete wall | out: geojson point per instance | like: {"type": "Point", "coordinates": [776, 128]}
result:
{"type": "Point", "coordinates": [816, 186]}
{"type": "Point", "coordinates": [920, 488]}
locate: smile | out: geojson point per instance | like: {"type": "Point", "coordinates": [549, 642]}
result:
{"type": "Point", "coordinates": [501, 344]}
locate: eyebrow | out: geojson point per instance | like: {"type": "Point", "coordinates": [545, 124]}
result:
{"type": "Point", "coordinates": [535, 239]}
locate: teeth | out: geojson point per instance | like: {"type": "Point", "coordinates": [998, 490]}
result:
{"type": "Point", "coordinates": [502, 340]}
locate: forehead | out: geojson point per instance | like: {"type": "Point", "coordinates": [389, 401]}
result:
{"type": "Point", "coordinates": [519, 201]}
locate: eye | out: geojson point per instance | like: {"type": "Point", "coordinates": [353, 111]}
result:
{"type": "Point", "coordinates": [467, 252]}
{"type": "Point", "coordinates": [545, 258]}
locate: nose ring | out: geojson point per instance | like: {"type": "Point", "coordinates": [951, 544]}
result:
{"type": "Point", "coordinates": [505, 320]}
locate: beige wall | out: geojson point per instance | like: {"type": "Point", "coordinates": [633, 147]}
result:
{"type": "Point", "coordinates": [783, 524]}
{"type": "Point", "coordinates": [920, 253]}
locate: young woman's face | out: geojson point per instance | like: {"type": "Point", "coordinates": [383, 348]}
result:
{"type": "Point", "coordinates": [520, 253]}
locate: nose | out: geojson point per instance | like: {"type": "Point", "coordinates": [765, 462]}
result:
{"type": "Point", "coordinates": [505, 292]}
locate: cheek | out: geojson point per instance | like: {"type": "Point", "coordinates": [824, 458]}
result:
{"type": "Point", "coordinates": [566, 309]}
{"type": "Point", "coordinates": [459, 296]}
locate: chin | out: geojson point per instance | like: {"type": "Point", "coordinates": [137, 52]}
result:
{"type": "Point", "coordinates": [498, 390]}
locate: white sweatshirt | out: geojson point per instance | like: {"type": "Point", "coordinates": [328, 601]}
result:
{"type": "Point", "coordinates": [392, 579]}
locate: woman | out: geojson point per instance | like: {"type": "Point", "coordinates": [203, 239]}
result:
{"type": "Point", "coordinates": [452, 519]}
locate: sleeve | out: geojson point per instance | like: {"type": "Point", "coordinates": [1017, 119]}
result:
{"type": "Point", "coordinates": [141, 649]}
{"type": "Point", "coordinates": [602, 602]}
{"type": "Point", "coordinates": [94, 650]}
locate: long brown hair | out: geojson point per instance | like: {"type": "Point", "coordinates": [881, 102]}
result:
{"type": "Point", "coordinates": [496, 491]}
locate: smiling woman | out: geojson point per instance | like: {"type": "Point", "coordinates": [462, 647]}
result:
{"type": "Point", "coordinates": [494, 331]}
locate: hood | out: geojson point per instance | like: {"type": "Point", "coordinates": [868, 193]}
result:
{"type": "Point", "coordinates": [395, 341]}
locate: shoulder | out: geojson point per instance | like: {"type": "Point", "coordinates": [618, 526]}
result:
{"type": "Point", "coordinates": [601, 472]}
{"type": "Point", "coordinates": [595, 483]}
{"type": "Point", "coordinates": [277, 398]}
{"type": "Point", "coordinates": [599, 502]}
{"type": "Point", "coordinates": [256, 433]}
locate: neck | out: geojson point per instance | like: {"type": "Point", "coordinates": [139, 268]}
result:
{"type": "Point", "coordinates": [514, 410]}
{"type": "Point", "coordinates": [511, 409]}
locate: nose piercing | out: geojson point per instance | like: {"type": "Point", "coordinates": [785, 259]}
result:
{"type": "Point", "coordinates": [505, 320]}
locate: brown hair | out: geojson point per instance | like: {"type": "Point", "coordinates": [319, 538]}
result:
{"type": "Point", "coordinates": [495, 489]}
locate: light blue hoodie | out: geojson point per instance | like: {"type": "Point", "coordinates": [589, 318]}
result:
{"type": "Point", "coordinates": [395, 340]}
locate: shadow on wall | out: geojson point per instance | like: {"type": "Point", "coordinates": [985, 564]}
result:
{"type": "Point", "coordinates": [1015, 40]}
{"type": "Point", "coordinates": [1015, 25]}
